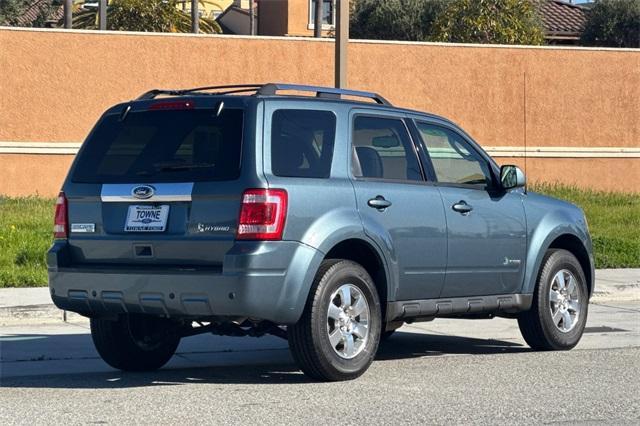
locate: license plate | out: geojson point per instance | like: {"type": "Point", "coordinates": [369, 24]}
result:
{"type": "Point", "coordinates": [146, 219]}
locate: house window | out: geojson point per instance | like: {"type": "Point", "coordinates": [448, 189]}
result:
{"type": "Point", "coordinates": [328, 14]}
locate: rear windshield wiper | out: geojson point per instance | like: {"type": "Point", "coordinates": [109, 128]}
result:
{"type": "Point", "coordinates": [170, 167]}
{"type": "Point", "coordinates": [173, 167]}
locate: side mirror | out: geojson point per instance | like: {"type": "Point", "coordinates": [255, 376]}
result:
{"type": "Point", "coordinates": [512, 177]}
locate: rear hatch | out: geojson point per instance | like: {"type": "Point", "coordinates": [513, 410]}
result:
{"type": "Point", "coordinates": [158, 183]}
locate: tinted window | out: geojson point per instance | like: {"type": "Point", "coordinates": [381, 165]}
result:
{"type": "Point", "coordinates": [302, 143]}
{"type": "Point", "coordinates": [382, 149]}
{"type": "Point", "coordinates": [454, 160]}
{"type": "Point", "coordinates": [163, 146]}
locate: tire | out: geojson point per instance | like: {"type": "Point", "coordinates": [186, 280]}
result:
{"type": "Point", "coordinates": [134, 342]}
{"type": "Point", "coordinates": [539, 327]}
{"type": "Point", "coordinates": [338, 281]}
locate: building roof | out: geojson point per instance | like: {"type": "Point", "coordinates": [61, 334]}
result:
{"type": "Point", "coordinates": [36, 9]}
{"type": "Point", "coordinates": [562, 19]}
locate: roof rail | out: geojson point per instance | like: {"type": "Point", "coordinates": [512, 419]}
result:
{"type": "Point", "coordinates": [231, 88]}
{"type": "Point", "coordinates": [270, 89]}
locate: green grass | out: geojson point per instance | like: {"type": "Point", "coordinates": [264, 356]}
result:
{"type": "Point", "coordinates": [26, 232]}
{"type": "Point", "coordinates": [26, 226]}
{"type": "Point", "coordinates": [614, 223]}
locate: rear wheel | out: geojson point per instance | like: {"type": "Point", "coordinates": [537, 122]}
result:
{"type": "Point", "coordinates": [337, 336]}
{"type": "Point", "coordinates": [558, 313]}
{"type": "Point", "coordinates": [134, 342]}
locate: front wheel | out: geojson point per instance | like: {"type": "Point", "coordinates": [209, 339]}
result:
{"type": "Point", "coordinates": [134, 342]}
{"type": "Point", "coordinates": [337, 336]}
{"type": "Point", "coordinates": [558, 313]}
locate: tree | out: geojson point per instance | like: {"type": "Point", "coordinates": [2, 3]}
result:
{"type": "Point", "coordinates": [489, 21]}
{"type": "Point", "coordinates": [143, 15]}
{"type": "Point", "coordinates": [11, 10]}
{"type": "Point", "coordinates": [613, 23]}
{"type": "Point", "coordinates": [394, 19]}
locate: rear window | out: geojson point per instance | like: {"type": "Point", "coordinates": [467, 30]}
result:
{"type": "Point", "coordinates": [163, 146]}
{"type": "Point", "coordinates": [302, 143]}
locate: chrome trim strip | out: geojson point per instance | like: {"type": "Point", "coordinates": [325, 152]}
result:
{"type": "Point", "coordinates": [121, 192]}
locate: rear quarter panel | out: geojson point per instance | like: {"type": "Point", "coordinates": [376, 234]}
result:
{"type": "Point", "coordinates": [321, 213]}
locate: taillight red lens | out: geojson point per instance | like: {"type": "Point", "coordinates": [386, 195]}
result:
{"type": "Point", "coordinates": [60, 223]}
{"type": "Point", "coordinates": [262, 214]}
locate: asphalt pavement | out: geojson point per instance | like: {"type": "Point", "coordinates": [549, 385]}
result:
{"type": "Point", "coordinates": [440, 372]}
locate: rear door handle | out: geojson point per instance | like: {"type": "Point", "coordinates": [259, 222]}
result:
{"type": "Point", "coordinates": [379, 203]}
{"type": "Point", "coordinates": [462, 207]}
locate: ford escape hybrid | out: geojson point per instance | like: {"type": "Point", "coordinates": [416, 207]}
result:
{"type": "Point", "coordinates": [329, 220]}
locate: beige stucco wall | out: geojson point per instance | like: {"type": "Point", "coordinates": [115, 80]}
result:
{"type": "Point", "coordinates": [298, 17]}
{"type": "Point", "coordinates": [24, 174]}
{"type": "Point", "coordinates": [573, 97]}
{"type": "Point", "coordinates": [55, 84]}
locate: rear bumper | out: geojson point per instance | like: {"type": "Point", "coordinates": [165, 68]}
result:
{"type": "Point", "coordinates": [263, 280]}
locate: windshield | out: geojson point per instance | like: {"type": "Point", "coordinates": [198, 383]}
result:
{"type": "Point", "coordinates": [163, 146]}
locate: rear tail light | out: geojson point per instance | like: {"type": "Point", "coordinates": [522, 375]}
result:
{"type": "Point", "coordinates": [60, 223]}
{"type": "Point", "coordinates": [262, 214]}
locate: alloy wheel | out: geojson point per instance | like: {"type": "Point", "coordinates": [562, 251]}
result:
{"type": "Point", "coordinates": [564, 300]}
{"type": "Point", "coordinates": [348, 321]}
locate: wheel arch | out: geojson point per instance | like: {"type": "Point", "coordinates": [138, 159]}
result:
{"type": "Point", "coordinates": [574, 245]}
{"type": "Point", "coordinates": [369, 257]}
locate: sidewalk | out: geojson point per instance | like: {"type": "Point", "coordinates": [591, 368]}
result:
{"type": "Point", "coordinates": [28, 305]}
{"type": "Point", "coordinates": [34, 304]}
{"type": "Point", "coordinates": [617, 284]}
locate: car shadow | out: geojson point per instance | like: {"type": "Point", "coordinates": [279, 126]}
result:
{"type": "Point", "coordinates": [23, 349]}
{"type": "Point", "coordinates": [402, 345]}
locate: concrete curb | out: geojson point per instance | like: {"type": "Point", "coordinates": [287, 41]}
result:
{"type": "Point", "coordinates": [33, 305]}
{"type": "Point", "coordinates": [30, 313]}
{"type": "Point", "coordinates": [36, 314]}
{"type": "Point", "coordinates": [617, 285]}
{"type": "Point", "coordinates": [30, 305]}
{"type": "Point", "coordinates": [618, 293]}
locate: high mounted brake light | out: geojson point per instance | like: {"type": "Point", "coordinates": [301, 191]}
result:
{"type": "Point", "coordinates": [163, 105]}
{"type": "Point", "coordinates": [61, 222]}
{"type": "Point", "coordinates": [262, 214]}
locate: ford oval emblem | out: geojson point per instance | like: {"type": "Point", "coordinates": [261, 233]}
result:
{"type": "Point", "coordinates": [143, 191]}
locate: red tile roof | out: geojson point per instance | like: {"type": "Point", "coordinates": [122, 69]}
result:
{"type": "Point", "coordinates": [562, 18]}
{"type": "Point", "coordinates": [36, 8]}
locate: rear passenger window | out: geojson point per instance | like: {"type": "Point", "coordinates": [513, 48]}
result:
{"type": "Point", "coordinates": [302, 143]}
{"type": "Point", "coordinates": [382, 149]}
